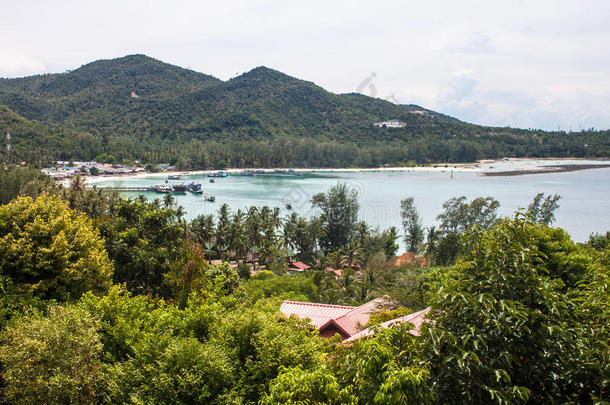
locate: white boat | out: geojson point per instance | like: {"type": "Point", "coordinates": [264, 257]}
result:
{"type": "Point", "coordinates": [163, 188]}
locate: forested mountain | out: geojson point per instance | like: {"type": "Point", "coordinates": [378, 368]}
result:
{"type": "Point", "coordinates": [136, 107]}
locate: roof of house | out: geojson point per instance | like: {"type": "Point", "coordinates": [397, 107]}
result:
{"type": "Point", "coordinates": [408, 257]}
{"type": "Point", "coordinates": [335, 271]}
{"type": "Point", "coordinates": [416, 318]}
{"type": "Point", "coordinates": [318, 314]}
{"type": "Point", "coordinates": [348, 319]}
{"type": "Point", "coordinates": [299, 265]}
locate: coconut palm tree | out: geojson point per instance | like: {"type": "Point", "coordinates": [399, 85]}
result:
{"type": "Point", "coordinates": [352, 256]}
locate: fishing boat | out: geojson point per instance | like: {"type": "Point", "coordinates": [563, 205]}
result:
{"type": "Point", "coordinates": [173, 177]}
{"type": "Point", "coordinates": [163, 188]}
{"type": "Point", "coordinates": [218, 174]}
{"type": "Point", "coordinates": [179, 188]}
{"type": "Point", "coordinates": [195, 188]}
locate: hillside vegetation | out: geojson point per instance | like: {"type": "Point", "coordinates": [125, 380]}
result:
{"type": "Point", "coordinates": [260, 118]}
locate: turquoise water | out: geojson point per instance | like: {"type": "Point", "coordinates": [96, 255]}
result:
{"type": "Point", "coordinates": [584, 207]}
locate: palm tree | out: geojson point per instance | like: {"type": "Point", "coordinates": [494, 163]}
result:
{"type": "Point", "coordinates": [352, 257]}
{"type": "Point", "coordinates": [203, 228]}
{"type": "Point", "coordinates": [431, 240]}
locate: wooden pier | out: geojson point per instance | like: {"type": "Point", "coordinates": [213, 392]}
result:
{"type": "Point", "coordinates": [127, 189]}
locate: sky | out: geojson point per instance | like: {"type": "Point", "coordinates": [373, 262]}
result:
{"type": "Point", "coordinates": [527, 64]}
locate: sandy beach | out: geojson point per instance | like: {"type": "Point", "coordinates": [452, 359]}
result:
{"type": "Point", "coordinates": [517, 166]}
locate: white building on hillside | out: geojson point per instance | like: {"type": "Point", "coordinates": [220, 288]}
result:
{"type": "Point", "coordinates": [391, 124]}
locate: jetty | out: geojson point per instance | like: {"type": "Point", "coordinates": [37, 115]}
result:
{"type": "Point", "coordinates": [127, 189]}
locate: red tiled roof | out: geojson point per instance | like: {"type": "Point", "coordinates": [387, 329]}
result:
{"type": "Point", "coordinates": [299, 265]}
{"type": "Point", "coordinates": [335, 271]}
{"type": "Point", "coordinates": [409, 258]}
{"type": "Point", "coordinates": [318, 314]}
{"type": "Point", "coordinates": [416, 318]}
{"type": "Point", "coordinates": [349, 319]}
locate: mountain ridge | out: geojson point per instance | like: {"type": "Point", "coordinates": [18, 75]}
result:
{"type": "Point", "coordinates": [137, 107]}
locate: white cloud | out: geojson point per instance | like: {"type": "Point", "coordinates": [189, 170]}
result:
{"type": "Point", "coordinates": [16, 65]}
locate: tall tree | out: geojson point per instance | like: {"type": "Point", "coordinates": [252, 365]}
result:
{"type": "Point", "coordinates": [458, 215]}
{"type": "Point", "coordinates": [411, 223]}
{"type": "Point", "coordinates": [50, 250]}
{"type": "Point", "coordinates": [339, 216]}
{"type": "Point", "coordinates": [542, 209]}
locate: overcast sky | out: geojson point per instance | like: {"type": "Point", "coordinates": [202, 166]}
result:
{"type": "Point", "coordinates": [539, 64]}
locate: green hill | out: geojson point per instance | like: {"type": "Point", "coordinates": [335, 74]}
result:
{"type": "Point", "coordinates": [137, 107]}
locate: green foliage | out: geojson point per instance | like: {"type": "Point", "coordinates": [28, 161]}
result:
{"type": "Point", "coordinates": [542, 210]}
{"type": "Point", "coordinates": [458, 215]}
{"type": "Point", "coordinates": [260, 343]}
{"type": "Point", "coordinates": [599, 241]}
{"type": "Point", "coordinates": [384, 369]}
{"type": "Point", "coordinates": [387, 315]}
{"type": "Point", "coordinates": [52, 360]}
{"type": "Point", "coordinates": [298, 287]}
{"type": "Point", "coordinates": [16, 180]}
{"type": "Point", "coordinates": [339, 215]}
{"type": "Point", "coordinates": [191, 273]}
{"type": "Point", "coordinates": [506, 327]}
{"type": "Point", "coordinates": [263, 275]}
{"type": "Point", "coordinates": [303, 387]}
{"type": "Point", "coordinates": [244, 271]}
{"type": "Point", "coordinates": [50, 250]}
{"type": "Point", "coordinates": [448, 249]}
{"type": "Point", "coordinates": [411, 223]}
{"type": "Point", "coordinates": [144, 239]}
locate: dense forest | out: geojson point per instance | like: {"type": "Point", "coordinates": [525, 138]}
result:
{"type": "Point", "coordinates": [112, 300]}
{"type": "Point", "coordinates": [136, 107]}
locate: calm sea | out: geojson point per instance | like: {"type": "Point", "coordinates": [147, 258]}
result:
{"type": "Point", "coordinates": [584, 206]}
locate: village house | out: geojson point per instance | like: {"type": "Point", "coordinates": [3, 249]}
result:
{"type": "Point", "coordinates": [409, 258]}
{"type": "Point", "coordinates": [390, 124]}
{"type": "Point", "coordinates": [416, 318]}
{"type": "Point", "coordinates": [349, 322]}
{"type": "Point", "coordinates": [297, 267]}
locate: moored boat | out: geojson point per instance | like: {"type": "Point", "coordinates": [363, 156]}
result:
{"type": "Point", "coordinates": [173, 177]}
{"type": "Point", "coordinates": [195, 188]}
{"type": "Point", "coordinates": [179, 188]}
{"type": "Point", "coordinates": [163, 188]}
{"type": "Point", "coordinates": [218, 174]}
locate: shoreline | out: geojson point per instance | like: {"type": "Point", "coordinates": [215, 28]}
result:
{"type": "Point", "coordinates": [547, 170]}
{"type": "Point", "coordinates": [435, 168]}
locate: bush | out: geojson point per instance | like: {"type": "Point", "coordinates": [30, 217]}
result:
{"type": "Point", "coordinates": [52, 360]}
{"type": "Point", "coordinates": [50, 250]}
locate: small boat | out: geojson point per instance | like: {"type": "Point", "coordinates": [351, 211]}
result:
{"type": "Point", "coordinates": [259, 172]}
{"type": "Point", "coordinates": [288, 206]}
{"type": "Point", "coordinates": [173, 177]}
{"type": "Point", "coordinates": [218, 174]}
{"type": "Point", "coordinates": [210, 198]}
{"type": "Point", "coordinates": [248, 173]}
{"type": "Point", "coordinates": [163, 188]}
{"type": "Point", "coordinates": [212, 181]}
{"type": "Point", "coordinates": [179, 188]}
{"type": "Point", "coordinates": [195, 188]}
